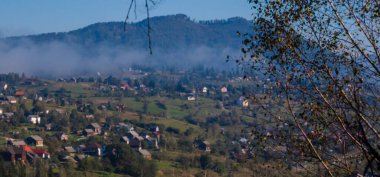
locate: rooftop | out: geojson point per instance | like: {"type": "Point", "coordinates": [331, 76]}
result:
{"type": "Point", "coordinates": [95, 125]}
{"type": "Point", "coordinates": [36, 137]}
{"type": "Point", "coordinates": [144, 152]}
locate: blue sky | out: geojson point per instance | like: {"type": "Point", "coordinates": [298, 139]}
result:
{"type": "Point", "coordinates": [20, 17]}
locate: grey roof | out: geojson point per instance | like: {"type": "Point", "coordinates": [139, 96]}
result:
{"type": "Point", "coordinates": [134, 134]}
{"type": "Point", "coordinates": [18, 142]}
{"type": "Point", "coordinates": [144, 152]}
{"type": "Point", "coordinates": [9, 114]}
{"type": "Point", "coordinates": [125, 138]}
{"type": "Point", "coordinates": [89, 130]}
{"type": "Point", "coordinates": [80, 156]}
{"type": "Point", "coordinates": [206, 143]}
{"type": "Point", "coordinates": [70, 149]}
{"type": "Point", "coordinates": [9, 98]}
{"type": "Point", "coordinates": [95, 125]}
{"type": "Point", "coordinates": [151, 139]}
{"type": "Point", "coordinates": [122, 124]}
{"type": "Point", "coordinates": [36, 137]}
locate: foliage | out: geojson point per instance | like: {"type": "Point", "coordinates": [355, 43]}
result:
{"type": "Point", "coordinates": [125, 160]}
{"type": "Point", "coordinates": [322, 58]}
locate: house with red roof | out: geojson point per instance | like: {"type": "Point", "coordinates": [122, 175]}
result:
{"type": "Point", "coordinates": [124, 86]}
{"type": "Point", "coordinates": [19, 93]}
{"type": "Point", "coordinates": [26, 148]}
{"type": "Point", "coordinates": [42, 153]}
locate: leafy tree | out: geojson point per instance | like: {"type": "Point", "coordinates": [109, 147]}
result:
{"type": "Point", "coordinates": [126, 161]}
{"type": "Point", "coordinates": [205, 162]}
{"type": "Point", "coordinates": [322, 59]}
{"type": "Point", "coordinates": [90, 164]}
{"type": "Point", "coordinates": [110, 80]}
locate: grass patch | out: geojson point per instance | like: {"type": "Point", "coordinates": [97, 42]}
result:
{"type": "Point", "coordinates": [164, 165]}
{"type": "Point", "coordinates": [133, 105]}
{"type": "Point", "coordinates": [182, 126]}
{"type": "Point", "coordinates": [154, 109]}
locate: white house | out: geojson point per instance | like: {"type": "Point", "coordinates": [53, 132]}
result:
{"type": "Point", "coordinates": [191, 98]}
{"type": "Point", "coordinates": [12, 99]}
{"type": "Point", "coordinates": [35, 119]}
{"type": "Point", "coordinates": [204, 90]}
{"type": "Point", "coordinates": [223, 90]}
{"type": "Point", "coordinates": [243, 102]}
{"type": "Point", "coordinates": [3, 86]}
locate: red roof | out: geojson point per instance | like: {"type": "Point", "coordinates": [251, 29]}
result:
{"type": "Point", "coordinates": [40, 151]}
{"type": "Point", "coordinates": [20, 93]}
{"type": "Point", "coordinates": [26, 148]}
{"type": "Point", "coordinates": [124, 86]}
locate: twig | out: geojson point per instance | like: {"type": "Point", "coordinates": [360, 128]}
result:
{"type": "Point", "coordinates": [129, 11]}
{"type": "Point", "coordinates": [149, 28]}
{"type": "Point", "coordinates": [133, 2]}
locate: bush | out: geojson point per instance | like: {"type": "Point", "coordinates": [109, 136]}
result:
{"type": "Point", "coordinates": [172, 130]}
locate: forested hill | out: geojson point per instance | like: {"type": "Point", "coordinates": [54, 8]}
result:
{"type": "Point", "coordinates": [168, 33]}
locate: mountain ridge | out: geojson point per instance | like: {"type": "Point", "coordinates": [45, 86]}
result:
{"type": "Point", "coordinates": [169, 32]}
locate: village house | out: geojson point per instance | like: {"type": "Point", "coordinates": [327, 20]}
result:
{"type": "Point", "coordinates": [191, 98]}
{"type": "Point", "coordinates": [16, 143]}
{"type": "Point", "coordinates": [103, 106]}
{"type": "Point", "coordinates": [152, 142]}
{"type": "Point", "coordinates": [3, 86]}
{"type": "Point", "coordinates": [79, 157]}
{"type": "Point", "coordinates": [88, 132]}
{"type": "Point", "coordinates": [70, 150]}
{"type": "Point", "coordinates": [205, 146]}
{"type": "Point", "coordinates": [134, 135]}
{"type": "Point", "coordinates": [144, 135]}
{"type": "Point", "coordinates": [3, 101]}
{"type": "Point", "coordinates": [124, 126]}
{"type": "Point", "coordinates": [154, 128]}
{"type": "Point", "coordinates": [34, 119]}
{"type": "Point", "coordinates": [62, 136]}
{"type": "Point", "coordinates": [69, 159]}
{"type": "Point", "coordinates": [50, 100]}
{"type": "Point", "coordinates": [223, 90]}
{"type": "Point", "coordinates": [95, 127]}
{"type": "Point", "coordinates": [243, 102]}
{"type": "Point", "coordinates": [135, 143]}
{"type": "Point", "coordinates": [124, 139]}
{"type": "Point", "coordinates": [48, 127]}
{"type": "Point", "coordinates": [124, 86]}
{"type": "Point", "coordinates": [11, 99]}
{"type": "Point", "coordinates": [41, 153]}
{"type": "Point", "coordinates": [59, 110]}
{"type": "Point", "coordinates": [146, 154]}
{"type": "Point", "coordinates": [204, 90]}
{"type": "Point", "coordinates": [34, 140]}
{"type": "Point", "coordinates": [89, 116]}
{"type": "Point", "coordinates": [92, 149]}
{"type": "Point", "coordinates": [27, 149]}
{"type": "Point", "coordinates": [19, 93]}
{"type": "Point", "coordinates": [8, 115]}
{"type": "Point", "coordinates": [107, 127]}
{"type": "Point", "coordinates": [120, 107]}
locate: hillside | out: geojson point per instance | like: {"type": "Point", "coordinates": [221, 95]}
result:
{"type": "Point", "coordinates": [168, 33]}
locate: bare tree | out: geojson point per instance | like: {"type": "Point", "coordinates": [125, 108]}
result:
{"type": "Point", "coordinates": [321, 61]}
